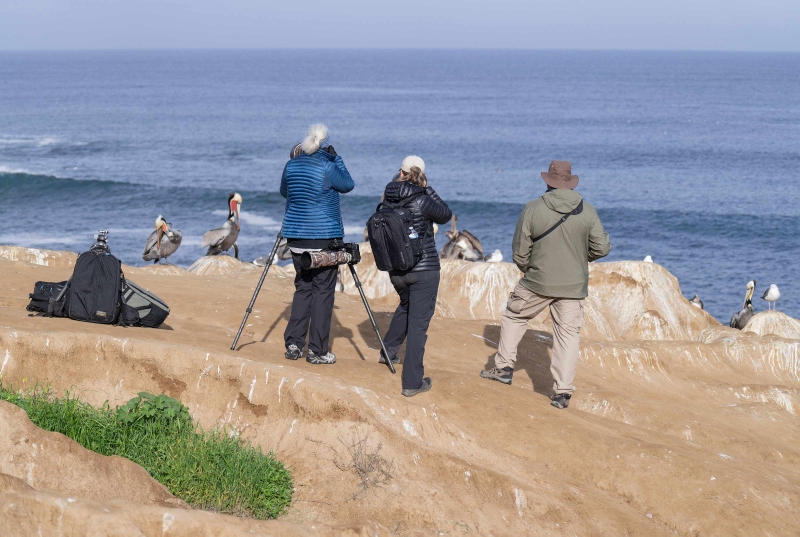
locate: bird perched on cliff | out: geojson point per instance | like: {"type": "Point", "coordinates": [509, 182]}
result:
{"type": "Point", "coordinates": [282, 254]}
{"type": "Point", "coordinates": [743, 316]}
{"type": "Point", "coordinates": [771, 295]}
{"type": "Point", "coordinates": [461, 244]}
{"type": "Point", "coordinates": [494, 257]}
{"type": "Point", "coordinates": [162, 242]}
{"type": "Point", "coordinates": [696, 302]}
{"type": "Point", "coordinates": [221, 239]}
{"type": "Point", "coordinates": [648, 259]}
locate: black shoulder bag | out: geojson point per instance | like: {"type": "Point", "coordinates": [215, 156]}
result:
{"type": "Point", "coordinates": [576, 210]}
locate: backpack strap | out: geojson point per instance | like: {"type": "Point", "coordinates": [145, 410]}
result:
{"type": "Point", "coordinates": [576, 210]}
{"type": "Point", "coordinates": [51, 303]}
{"type": "Point", "coordinates": [399, 204]}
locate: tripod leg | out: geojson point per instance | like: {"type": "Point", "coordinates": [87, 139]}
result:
{"type": "Point", "coordinates": [371, 317]}
{"type": "Point", "coordinates": [258, 288]}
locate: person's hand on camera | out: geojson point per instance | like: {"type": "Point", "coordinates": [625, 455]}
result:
{"type": "Point", "coordinates": [331, 151]}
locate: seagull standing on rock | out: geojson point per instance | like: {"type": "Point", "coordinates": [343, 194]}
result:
{"type": "Point", "coordinates": [771, 295]}
{"type": "Point", "coordinates": [494, 257]}
{"type": "Point", "coordinates": [696, 302]}
{"type": "Point", "coordinates": [648, 259]}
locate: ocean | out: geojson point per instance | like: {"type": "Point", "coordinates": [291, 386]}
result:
{"type": "Point", "coordinates": [691, 158]}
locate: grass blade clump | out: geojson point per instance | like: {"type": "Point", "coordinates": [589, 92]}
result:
{"type": "Point", "coordinates": [209, 470]}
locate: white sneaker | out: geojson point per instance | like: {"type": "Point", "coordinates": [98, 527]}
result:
{"type": "Point", "coordinates": [314, 358]}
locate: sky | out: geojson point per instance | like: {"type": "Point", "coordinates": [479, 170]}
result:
{"type": "Point", "coordinates": [750, 25]}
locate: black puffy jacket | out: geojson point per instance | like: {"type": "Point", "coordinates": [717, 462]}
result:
{"type": "Point", "coordinates": [425, 209]}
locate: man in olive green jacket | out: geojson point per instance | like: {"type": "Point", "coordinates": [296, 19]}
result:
{"type": "Point", "coordinates": [556, 237]}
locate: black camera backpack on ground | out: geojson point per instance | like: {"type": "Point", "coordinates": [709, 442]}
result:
{"type": "Point", "coordinates": [48, 299]}
{"type": "Point", "coordinates": [141, 307]}
{"type": "Point", "coordinates": [95, 289]}
{"type": "Point", "coordinates": [388, 231]}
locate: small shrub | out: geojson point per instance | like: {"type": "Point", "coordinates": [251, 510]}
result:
{"type": "Point", "coordinates": [372, 468]}
{"type": "Point", "coordinates": [207, 469]}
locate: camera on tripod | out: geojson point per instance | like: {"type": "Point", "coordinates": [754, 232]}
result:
{"type": "Point", "coordinates": [337, 253]}
{"type": "Point", "coordinates": [101, 241]}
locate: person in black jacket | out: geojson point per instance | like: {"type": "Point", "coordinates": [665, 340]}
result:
{"type": "Point", "coordinates": [418, 286]}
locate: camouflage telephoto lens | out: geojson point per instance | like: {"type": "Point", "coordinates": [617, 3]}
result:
{"type": "Point", "coordinates": [324, 258]}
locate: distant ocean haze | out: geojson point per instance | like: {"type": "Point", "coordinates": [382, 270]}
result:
{"type": "Point", "coordinates": [691, 158]}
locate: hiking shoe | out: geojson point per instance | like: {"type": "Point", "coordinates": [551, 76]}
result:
{"type": "Point", "coordinates": [382, 359]}
{"type": "Point", "coordinates": [426, 385]}
{"type": "Point", "coordinates": [500, 375]}
{"type": "Point", "coordinates": [293, 352]}
{"type": "Point", "coordinates": [314, 358]}
{"type": "Point", "coordinates": [561, 400]}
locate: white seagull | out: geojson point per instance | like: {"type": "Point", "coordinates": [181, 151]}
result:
{"type": "Point", "coordinates": [771, 295]}
{"type": "Point", "coordinates": [494, 257]}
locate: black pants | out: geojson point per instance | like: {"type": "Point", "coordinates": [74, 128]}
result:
{"type": "Point", "coordinates": [313, 300]}
{"type": "Point", "coordinates": [417, 292]}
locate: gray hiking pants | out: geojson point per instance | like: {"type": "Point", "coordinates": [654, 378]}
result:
{"type": "Point", "coordinates": [567, 314]}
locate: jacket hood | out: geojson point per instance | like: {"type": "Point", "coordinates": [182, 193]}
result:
{"type": "Point", "coordinates": [562, 200]}
{"type": "Point", "coordinates": [400, 190]}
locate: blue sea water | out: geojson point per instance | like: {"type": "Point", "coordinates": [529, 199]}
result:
{"type": "Point", "coordinates": [691, 158]}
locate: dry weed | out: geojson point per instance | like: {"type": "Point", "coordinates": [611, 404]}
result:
{"type": "Point", "coordinates": [372, 468]}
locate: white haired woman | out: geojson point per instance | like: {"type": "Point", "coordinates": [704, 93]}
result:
{"type": "Point", "coordinates": [311, 183]}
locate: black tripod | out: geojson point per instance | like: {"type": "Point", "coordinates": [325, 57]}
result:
{"type": "Point", "coordinates": [358, 286]}
{"type": "Point", "coordinates": [249, 309]}
{"type": "Point", "coordinates": [371, 317]}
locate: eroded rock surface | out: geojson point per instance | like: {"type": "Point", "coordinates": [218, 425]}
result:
{"type": "Point", "coordinates": [679, 425]}
{"type": "Point", "coordinates": [51, 461]}
{"type": "Point", "coordinates": [219, 265]}
{"type": "Point", "coordinates": [36, 256]}
{"type": "Point", "coordinates": [775, 323]}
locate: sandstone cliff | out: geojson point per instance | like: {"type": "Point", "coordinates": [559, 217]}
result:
{"type": "Point", "coordinates": [679, 426]}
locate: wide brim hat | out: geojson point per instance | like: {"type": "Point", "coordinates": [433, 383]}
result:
{"type": "Point", "coordinates": [559, 175]}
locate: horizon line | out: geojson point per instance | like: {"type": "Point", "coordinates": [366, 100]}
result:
{"type": "Point", "coordinates": [389, 49]}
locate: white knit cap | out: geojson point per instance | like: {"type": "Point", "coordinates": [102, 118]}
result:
{"type": "Point", "coordinates": [412, 160]}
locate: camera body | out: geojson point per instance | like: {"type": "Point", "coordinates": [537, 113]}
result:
{"type": "Point", "coordinates": [101, 242]}
{"type": "Point", "coordinates": [337, 253]}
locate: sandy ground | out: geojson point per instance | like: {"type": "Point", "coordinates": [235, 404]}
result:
{"type": "Point", "coordinates": [679, 426]}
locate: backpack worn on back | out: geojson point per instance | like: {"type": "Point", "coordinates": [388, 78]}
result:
{"type": "Point", "coordinates": [388, 230]}
{"type": "Point", "coordinates": [141, 307]}
{"type": "Point", "coordinates": [94, 293]}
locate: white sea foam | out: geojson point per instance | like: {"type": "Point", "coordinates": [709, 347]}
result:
{"type": "Point", "coordinates": [33, 240]}
{"type": "Point", "coordinates": [6, 169]}
{"type": "Point", "coordinates": [354, 230]}
{"type": "Point", "coordinates": [252, 219]}
{"type": "Point", "coordinates": [41, 141]}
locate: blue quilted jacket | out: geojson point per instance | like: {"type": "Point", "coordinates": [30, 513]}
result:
{"type": "Point", "coordinates": [311, 185]}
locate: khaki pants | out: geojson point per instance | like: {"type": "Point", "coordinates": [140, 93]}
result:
{"type": "Point", "coordinates": [567, 314]}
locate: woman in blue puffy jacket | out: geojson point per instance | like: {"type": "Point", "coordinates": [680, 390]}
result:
{"type": "Point", "coordinates": [311, 184]}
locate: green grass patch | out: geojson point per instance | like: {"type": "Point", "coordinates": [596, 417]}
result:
{"type": "Point", "coordinates": [210, 470]}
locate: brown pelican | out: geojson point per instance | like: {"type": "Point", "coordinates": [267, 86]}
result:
{"type": "Point", "coordinates": [162, 242]}
{"type": "Point", "coordinates": [743, 316]}
{"type": "Point", "coordinates": [221, 239]}
{"type": "Point", "coordinates": [771, 295]}
{"type": "Point", "coordinates": [461, 245]}
{"type": "Point", "coordinates": [696, 302]}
